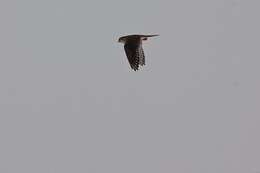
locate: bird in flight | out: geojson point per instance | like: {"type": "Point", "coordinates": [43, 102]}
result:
{"type": "Point", "coordinates": [133, 49]}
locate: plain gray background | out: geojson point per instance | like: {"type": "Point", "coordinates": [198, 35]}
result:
{"type": "Point", "coordinates": [70, 103]}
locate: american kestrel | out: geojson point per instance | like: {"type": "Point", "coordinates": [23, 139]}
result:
{"type": "Point", "coordinates": [133, 49]}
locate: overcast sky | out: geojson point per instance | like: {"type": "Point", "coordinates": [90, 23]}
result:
{"type": "Point", "coordinates": [69, 102]}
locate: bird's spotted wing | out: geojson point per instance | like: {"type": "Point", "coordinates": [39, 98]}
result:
{"type": "Point", "coordinates": [141, 56]}
{"type": "Point", "coordinates": [135, 55]}
{"type": "Point", "coordinates": [132, 56]}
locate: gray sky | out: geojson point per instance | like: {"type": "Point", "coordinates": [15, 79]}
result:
{"type": "Point", "coordinates": [70, 103]}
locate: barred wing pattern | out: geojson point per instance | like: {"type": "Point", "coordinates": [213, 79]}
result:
{"type": "Point", "coordinates": [141, 56]}
{"type": "Point", "coordinates": [135, 55]}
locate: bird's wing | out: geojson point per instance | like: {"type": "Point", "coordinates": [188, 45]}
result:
{"type": "Point", "coordinates": [131, 50]}
{"type": "Point", "coordinates": [141, 56]}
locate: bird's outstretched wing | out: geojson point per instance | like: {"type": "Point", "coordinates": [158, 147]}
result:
{"type": "Point", "coordinates": [135, 55]}
{"type": "Point", "coordinates": [141, 56]}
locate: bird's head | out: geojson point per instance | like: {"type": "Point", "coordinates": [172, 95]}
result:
{"type": "Point", "coordinates": [122, 40]}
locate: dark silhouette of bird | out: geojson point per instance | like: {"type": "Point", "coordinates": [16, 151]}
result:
{"type": "Point", "coordinates": [133, 49]}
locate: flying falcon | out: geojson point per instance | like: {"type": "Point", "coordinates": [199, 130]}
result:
{"type": "Point", "coordinates": [133, 49]}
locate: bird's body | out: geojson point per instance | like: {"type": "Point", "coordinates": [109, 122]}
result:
{"type": "Point", "coordinates": [133, 49]}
